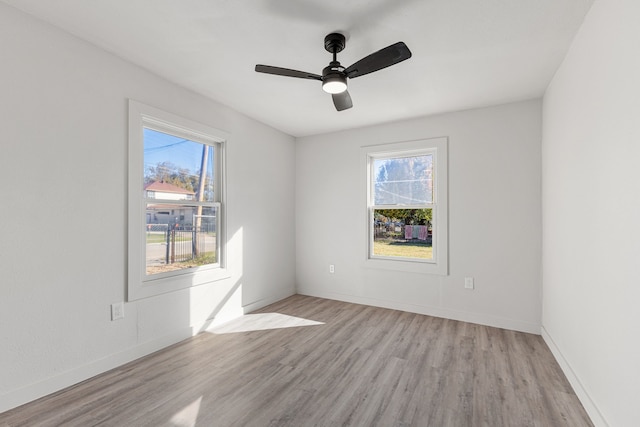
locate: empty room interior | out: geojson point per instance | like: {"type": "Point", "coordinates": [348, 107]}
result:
{"type": "Point", "coordinates": [270, 213]}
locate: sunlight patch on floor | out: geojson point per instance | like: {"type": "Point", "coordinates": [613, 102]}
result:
{"type": "Point", "coordinates": [262, 322]}
{"type": "Point", "coordinates": [188, 416]}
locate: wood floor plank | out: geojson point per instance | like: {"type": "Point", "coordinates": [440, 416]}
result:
{"type": "Point", "coordinates": [354, 365]}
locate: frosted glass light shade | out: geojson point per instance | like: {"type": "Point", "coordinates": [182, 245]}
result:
{"type": "Point", "coordinates": [334, 84]}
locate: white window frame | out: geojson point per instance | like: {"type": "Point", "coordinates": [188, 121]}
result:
{"type": "Point", "coordinates": [141, 285]}
{"type": "Point", "coordinates": [437, 147]}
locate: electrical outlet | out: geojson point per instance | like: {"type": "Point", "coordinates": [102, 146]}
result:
{"type": "Point", "coordinates": [332, 268]}
{"type": "Point", "coordinates": [468, 283]}
{"type": "Point", "coordinates": [117, 311]}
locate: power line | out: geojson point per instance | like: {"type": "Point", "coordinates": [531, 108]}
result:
{"type": "Point", "coordinates": [162, 147]}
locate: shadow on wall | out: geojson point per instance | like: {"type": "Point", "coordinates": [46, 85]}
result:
{"type": "Point", "coordinates": [234, 253]}
{"type": "Point", "coordinates": [220, 306]}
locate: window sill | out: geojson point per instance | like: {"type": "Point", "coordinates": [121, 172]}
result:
{"type": "Point", "coordinates": [163, 285]}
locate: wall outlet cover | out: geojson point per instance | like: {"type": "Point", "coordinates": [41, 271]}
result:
{"type": "Point", "coordinates": [468, 283]}
{"type": "Point", "coordinates": [117, 311]}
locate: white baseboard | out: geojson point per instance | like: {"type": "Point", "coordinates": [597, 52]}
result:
{"type": "Point", "coordinates": [589, 406]}
{"type": "Point", "coordinates": [31, 392]}
{"type": "Point", "coordinates": [481, 319]}
{"type": "Point", "coordinates": [26, 394]}
{"type": "Point", "coordinates": [58, 382]}
{"type": "Point", "coordinates": [266, 301]}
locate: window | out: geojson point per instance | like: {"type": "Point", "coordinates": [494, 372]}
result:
{"type": "Point", "coordinates": [407, 206]}
{"type": "Point", "coordinates": [176, 201]}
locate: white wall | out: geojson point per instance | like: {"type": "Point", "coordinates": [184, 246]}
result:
{"type": "Point", "coordinates": [63, 187]}
{"type": "Point", "coordinates": [494, 218]}
{"type": "Point", "coordinates": [591, 205]}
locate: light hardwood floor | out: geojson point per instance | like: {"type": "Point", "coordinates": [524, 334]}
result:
{"type": "Point", "coordinates": [352, 365]}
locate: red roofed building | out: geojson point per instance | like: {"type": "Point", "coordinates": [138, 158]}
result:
{"type": "Point", "coordinates": [167, 213]}
{"type": "Point", "coordinates": [164, 190]}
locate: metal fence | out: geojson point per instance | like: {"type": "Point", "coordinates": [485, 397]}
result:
{"type": "Point", "coordinates": [183, 242]}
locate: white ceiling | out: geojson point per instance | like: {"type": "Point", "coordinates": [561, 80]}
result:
{"type": "Point", "coordinates": [466, 53]}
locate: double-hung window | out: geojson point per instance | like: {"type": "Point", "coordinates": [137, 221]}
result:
{"type": "Point", "coordinates": [176, 194]}
{"type": "Point", "coordinates": [407, 205]}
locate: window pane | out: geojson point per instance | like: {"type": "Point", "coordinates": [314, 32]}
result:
{"type": "Point", "coordinates": [180, 237]}
{"type": "Point", "coordinates": [403, 180]}
{"type": "Point", "coordinates": [403, 233]}
{"type": "Point", "coordinates": [176, 168]}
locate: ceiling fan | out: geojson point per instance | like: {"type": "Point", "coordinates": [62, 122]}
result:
{"type": "Point", "coordinates": [334, 77]}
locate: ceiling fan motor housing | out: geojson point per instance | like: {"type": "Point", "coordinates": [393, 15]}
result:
{"type": "Point", "coordinates": [334, 42]}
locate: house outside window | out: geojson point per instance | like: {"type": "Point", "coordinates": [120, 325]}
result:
{"type": "Point", "coordinates": [407, 206]}
{"type": "Point", "coordinates": [176, 201]}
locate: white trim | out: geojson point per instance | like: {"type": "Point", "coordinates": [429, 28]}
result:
{"type": "Point", "coordinates": [138, 284]}
{"type": "Point", "coordinates": [446, 313]}
{"type": "Point", "coordinates": [31, 392]}
{"type": "Point", "coordinates": [589, 405]}
{"type": "Point", "coordinates": [438, 147]}
{"type": "Point", "coordinates": [256, 305]}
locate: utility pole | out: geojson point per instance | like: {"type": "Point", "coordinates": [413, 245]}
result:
{"type": "Point", "coordinates": [200, 198]}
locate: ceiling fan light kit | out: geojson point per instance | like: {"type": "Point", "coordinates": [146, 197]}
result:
{"type": "Point", "coordinates": [334, 77]}
{"type": "Point", "coordinates": [334, 83]}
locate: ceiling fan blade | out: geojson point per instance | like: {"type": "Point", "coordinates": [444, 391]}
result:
{"type": "Point", "coordinates": [286, 72]}
{"type": "Point", "coordinates": [342, 100]}
{"type": "Point", "coordinates": [383, 58]}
